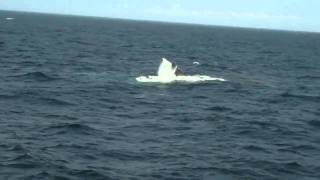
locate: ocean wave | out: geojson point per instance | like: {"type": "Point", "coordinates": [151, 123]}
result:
{"type": "Point", "coordinates": [218, 108]}
{"type": "Point", "coordinates": [44, 175]}
{"type": "Point", "coordinates": [71, 174]}
{"type": "Point", "coordinates": [37, 75]}
{"type": "Point", "coordinates": [315, 123]}
{"type": "Point", "coordinates": [64, 117]}
{"type": "Point", "coordinates": [70, 128]}
{"type": "Point", "coordinates": [17, 148]}
{"type": "Point", "coordinates": [82, 55]}
{"type": "Point", "coordinates": [22, 50]}
{"type": "Point", "coordinates": [127, 46]}
{"type": "Point", "coordinates": [8, 96]}
{"type": "Point", "coordinates": [11, 32]}
{"type": "Point", "coordinates": [255, 148]}
{"type": "Point", "coordinates": [304, 147]}
{"type": "Point", "coordinates": [24, 165]}
{"type": "Point", "coordinates": [292, 165]}
{"type": "Point", "coordinates": [55, 101]}
{"type": "Point", "coordinates": [91, 174]}
{"type": "Point", "coordinates": [79, 42]}
{"type": "Point", "coordinates": [29, 63]}
{"type": "Point", "coordinates": [301, 96]}
{"type": "Point", "coordinates": [22, 157]}
{"type": "Point", "coordinates": [313, 77]}
{"type": "Point", "coordinates": [201, 97]}
{"type": "Point", "coordinates": [269, 52]}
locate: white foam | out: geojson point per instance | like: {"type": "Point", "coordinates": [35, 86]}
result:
{"type": "Point", "coordinates": [191, 79]}
{"type": "Point", "coordinates": [9, 18]}
{"type": "Point", "coordinates": [166, 74]}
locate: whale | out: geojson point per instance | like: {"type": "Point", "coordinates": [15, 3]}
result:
{"type": "Point", "coordinates": [169, 72]}
{"type": "Point", "coordinates": [166, 67]}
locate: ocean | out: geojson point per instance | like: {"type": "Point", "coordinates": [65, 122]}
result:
{"type": "Point", "coordinates": [71, 108]}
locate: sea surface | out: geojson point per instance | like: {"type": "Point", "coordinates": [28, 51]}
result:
{"type": "Point", "coordinates": [70, 107]}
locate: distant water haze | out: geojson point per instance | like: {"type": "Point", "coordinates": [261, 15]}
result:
{"type": "Point", "coordinates": [295, 15]}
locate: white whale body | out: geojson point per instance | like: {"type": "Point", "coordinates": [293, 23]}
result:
{"type": "Point", "coordinates": [168, 72]}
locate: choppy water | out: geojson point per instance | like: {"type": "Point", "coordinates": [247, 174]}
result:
{"type": "Point", "coordinates": [70, 107]}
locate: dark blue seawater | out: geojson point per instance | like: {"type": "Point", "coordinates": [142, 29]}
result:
{"type": "Point", "coordinates": [70, 107]}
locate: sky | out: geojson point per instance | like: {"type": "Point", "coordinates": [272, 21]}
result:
{"type": "Point", "coordinates": [297, 15]}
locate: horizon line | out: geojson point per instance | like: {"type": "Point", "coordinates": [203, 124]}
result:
{"type": "Point", "coordinates": [166, 22]}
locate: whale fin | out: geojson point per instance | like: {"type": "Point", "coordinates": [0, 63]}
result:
{"type": "Point", "coordinates": [177, 71]}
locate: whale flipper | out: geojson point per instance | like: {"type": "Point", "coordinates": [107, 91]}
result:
{"type": "Point", "coordinates": [165, 64]}
{"type": "Point", "coordinates": [178, 71]}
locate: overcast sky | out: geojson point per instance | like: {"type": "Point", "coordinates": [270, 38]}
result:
{"type": "Point", "coordinates": [302, 15]}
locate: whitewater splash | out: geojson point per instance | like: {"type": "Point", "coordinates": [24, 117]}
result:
{"type": "Point", "coordinates": [169, 72]}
